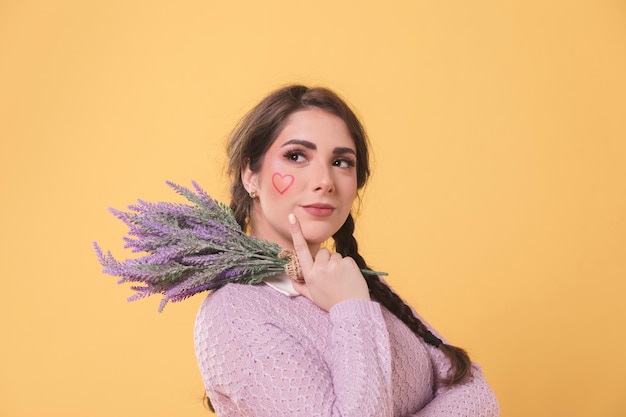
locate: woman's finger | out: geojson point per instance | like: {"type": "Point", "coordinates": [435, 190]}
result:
{"type": "Point", "coordinates": [302, 289]}
{"type": "Point", "coordinates": [336, 257]}
{"type": "Point", "coordinates": [299, 244]}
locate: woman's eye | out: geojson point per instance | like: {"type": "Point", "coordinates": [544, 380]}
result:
{"type": "Point", "coordinates": [295, 156]}
{"type": "Point", "coordinates": [344, 163]}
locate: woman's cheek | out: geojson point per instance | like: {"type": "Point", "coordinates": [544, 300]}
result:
{"type": "Point", "coordinates": [282, 182]}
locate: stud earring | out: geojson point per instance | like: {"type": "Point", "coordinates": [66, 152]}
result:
{"type": "Point", "coordinates": [252, 194]}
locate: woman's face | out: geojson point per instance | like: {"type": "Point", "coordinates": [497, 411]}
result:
{"type": "Point", "coordinates": [310, 171]}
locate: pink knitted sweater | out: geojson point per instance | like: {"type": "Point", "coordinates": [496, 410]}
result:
{"type": "Point", "coordinates": [262, 353]}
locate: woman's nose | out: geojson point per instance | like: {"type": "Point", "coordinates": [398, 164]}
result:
{"type": "Point", "coordinates": [323, 180]}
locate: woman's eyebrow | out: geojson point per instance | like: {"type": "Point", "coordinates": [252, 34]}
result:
{"type": "Point", "coordinates": [338, 151]}
{"type": "Point", "coordinates": [305, 143]}
{"type": "Point", "coordinates": [310, 145]}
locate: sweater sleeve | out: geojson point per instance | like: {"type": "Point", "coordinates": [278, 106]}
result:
{"type": "Point", "coordinates": [255, 367]}
{"type": "Point", "coordinates": [473, 398]}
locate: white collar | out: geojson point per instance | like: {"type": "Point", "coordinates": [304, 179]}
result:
{"type": "Point", "coordinates": [282, 283]}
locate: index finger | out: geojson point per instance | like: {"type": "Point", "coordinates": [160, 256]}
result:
{"type": "Point", "coordinates": [299, 244]}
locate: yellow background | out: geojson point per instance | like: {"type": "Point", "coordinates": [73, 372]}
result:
{"type": "Point", "coordinates": [497, 205]}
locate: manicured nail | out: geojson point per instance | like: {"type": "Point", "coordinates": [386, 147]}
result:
{"type": "Point", "coordinates": [292, 218]}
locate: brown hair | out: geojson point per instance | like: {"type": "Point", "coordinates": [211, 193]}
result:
{"type": "Point", "coordinates": [252, 138]}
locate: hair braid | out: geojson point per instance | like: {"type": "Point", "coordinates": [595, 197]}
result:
{"type": "Point", "coordinates": [346, 245]}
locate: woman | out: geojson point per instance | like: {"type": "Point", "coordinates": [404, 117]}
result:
{"type": "Point", "coordinates": [338, 343]}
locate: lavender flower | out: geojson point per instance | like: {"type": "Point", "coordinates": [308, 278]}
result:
{"type": "Point", "coordinates": [189, 249]}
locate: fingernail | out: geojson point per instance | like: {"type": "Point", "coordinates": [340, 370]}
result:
{"type": "Point", "coordinates": [292, 218]}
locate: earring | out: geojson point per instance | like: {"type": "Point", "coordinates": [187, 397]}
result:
{"type": "Point", "coordinates": [252, 194]}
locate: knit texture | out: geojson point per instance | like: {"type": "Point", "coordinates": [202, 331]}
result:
{"type": "Point", "coordinates": [262, 353]}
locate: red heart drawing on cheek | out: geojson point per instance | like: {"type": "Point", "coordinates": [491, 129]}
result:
{"type": "Point", "coordinates": [282, 182]}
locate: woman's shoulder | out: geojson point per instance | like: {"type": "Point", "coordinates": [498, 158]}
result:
{"type": "Point", "coordinates": [232, 310]}
{"type": "Point", "coordinates": [251, 308]}
{"type": "Point", "coordinates": [240, 298]}
{"type": "Point", "coordinates": [248, 303]}
{"type": "Point", "coordinates": [245, 315]}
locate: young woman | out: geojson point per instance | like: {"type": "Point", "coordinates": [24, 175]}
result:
{"type": "Point", "coordinates": [337, 343]}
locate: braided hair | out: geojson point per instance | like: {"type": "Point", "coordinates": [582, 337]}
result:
{"type": "Point", "coordinates": [346, 245]}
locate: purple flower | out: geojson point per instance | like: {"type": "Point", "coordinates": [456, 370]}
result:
{"type": "Point", "coordinates": [188, 248]}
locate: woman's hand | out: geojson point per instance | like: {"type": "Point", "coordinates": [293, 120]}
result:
{"type": "Point", "coordinates": [329, 278]}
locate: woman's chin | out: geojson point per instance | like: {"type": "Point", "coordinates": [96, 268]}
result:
{"type": "Point", "coordinates": [316, 238]}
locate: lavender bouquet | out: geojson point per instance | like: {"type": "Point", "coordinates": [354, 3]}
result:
{"type": "Point", "coordinates": [192, 248]}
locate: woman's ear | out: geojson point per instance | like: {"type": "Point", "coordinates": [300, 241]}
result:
{"type": "Point", "coordinates": [249, 178]}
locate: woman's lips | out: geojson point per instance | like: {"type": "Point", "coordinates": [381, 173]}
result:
{"type": "Point", "coordinates": [319, 210]}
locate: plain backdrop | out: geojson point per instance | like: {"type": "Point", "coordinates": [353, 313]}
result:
{"type": "Point", "coordinates": [497, 204]}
